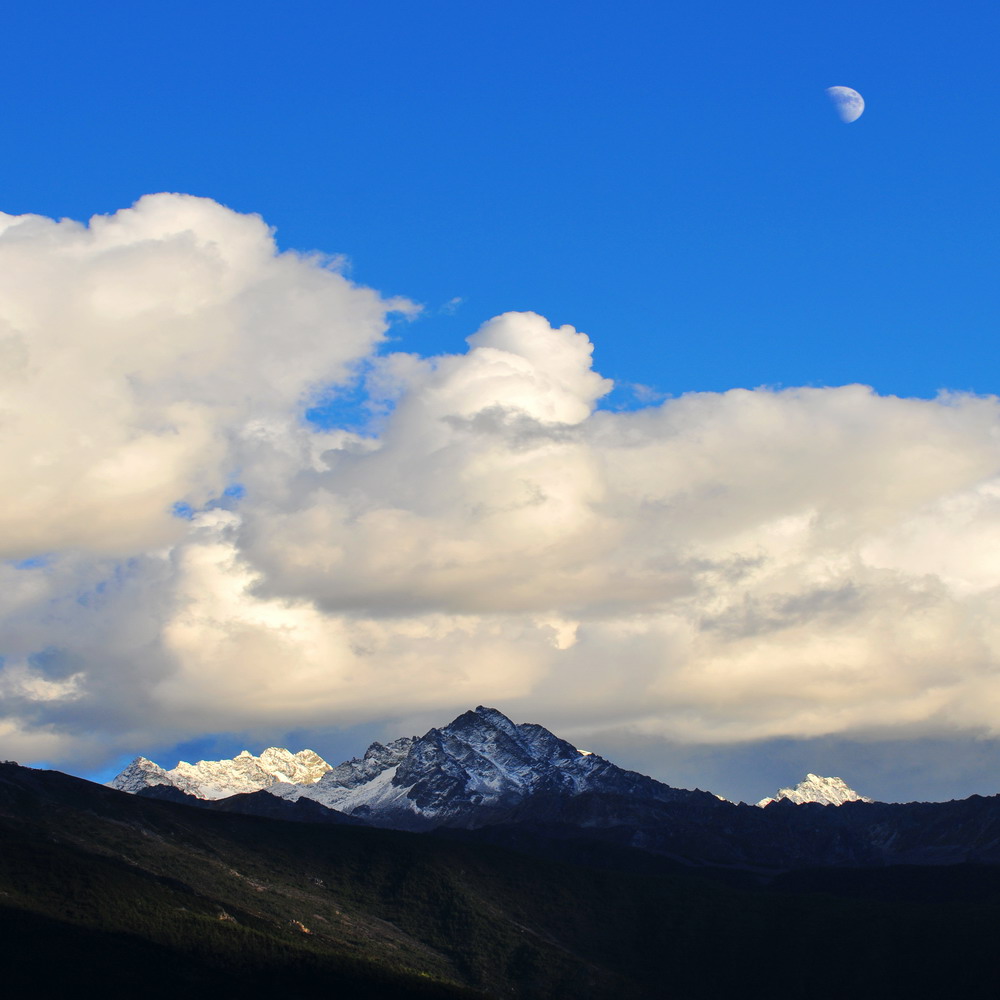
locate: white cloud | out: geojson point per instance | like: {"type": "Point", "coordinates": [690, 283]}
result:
{"type": "Point", "coordinates": [719, 567]}
{"type": "Point", "coordinates": [19, 681]}
{"type": "Point", "coordinates": [136, 351]}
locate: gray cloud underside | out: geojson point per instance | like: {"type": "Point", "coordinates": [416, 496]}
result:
{"type": "Point", "coordinates": [714, 569]}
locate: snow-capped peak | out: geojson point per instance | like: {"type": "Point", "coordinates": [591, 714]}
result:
{"type": "Point", "coordinates": [474, 770]}
{"type": "Point", "coordinates": [217, 779]}
{"type": "Point", "coordinates": [815, 788]}
{"type": "Point", "coordinates": [141, 773]}
{"type": "Point", "coordinates": [303, 768]}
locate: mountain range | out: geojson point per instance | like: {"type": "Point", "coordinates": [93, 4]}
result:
{"type": "Point", "coordinates": [476, 771]}
{"type": "Point", "coordinates": [484, 777]}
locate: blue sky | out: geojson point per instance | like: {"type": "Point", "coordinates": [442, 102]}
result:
{"type": "Point", "coordinates": [668, 179]}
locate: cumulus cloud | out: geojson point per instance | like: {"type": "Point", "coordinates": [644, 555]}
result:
{"type": "Point", "coordinates": [136, 354]}
{"type": "Point", "coordinates": [719, 567]}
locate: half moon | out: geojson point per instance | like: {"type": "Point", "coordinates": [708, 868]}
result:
{"type": "Point", "coordinates": [848, 103]}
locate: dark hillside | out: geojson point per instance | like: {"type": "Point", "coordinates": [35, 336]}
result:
{"type": "Point", "coordinates": [164, 899]}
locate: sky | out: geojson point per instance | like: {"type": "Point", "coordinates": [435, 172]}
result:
{"type": "Point", "coordinates": [360, 364]}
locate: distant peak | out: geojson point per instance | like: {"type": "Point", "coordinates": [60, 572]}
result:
{"type": "Point", "coordinates": [816, 788]}
{"type": "Point", "coordinates": [141, 773]}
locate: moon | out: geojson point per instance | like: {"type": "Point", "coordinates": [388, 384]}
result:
{"type": "Point", "coordinates": [848, 103]}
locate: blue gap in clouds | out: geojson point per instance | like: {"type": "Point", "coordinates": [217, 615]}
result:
{"type": "Point", "coordinates": [204, 748]}
{"type": "Point", "coordinates": [349, 408]}
{"type": "Point", "coordinates": [231, 494]}
{"type": "Point", "coordinates": [118, 577]}
{"type": "Point", "coordinates": [341, 408]}
{"type": "Point", "coordinates": [216, 747]}
{"type": "Point", "coordinates": [53, 662]}
{"type": "Point", "coordinates": [630, 396]}
{"type": "Point", "coordinates": [32, 562]}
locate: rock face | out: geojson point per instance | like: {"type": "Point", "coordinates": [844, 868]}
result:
{"type": "Point", "coordinates": [815, 788]}
{"type": "Point", "coordinates": [479, 769]}
{"type": "Point", "coordinates": [218, 779]}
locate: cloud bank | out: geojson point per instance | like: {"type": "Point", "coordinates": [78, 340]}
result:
{"type": "Point", "coordinates": [715, 568]}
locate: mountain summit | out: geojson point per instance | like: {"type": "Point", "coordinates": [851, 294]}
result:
{"type": "Point", "coordinates": [477, 770]}
{"type": "Point", "coordinates": [815, 788]}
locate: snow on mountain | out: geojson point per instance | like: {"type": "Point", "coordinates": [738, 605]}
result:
{"type": "Point", "coordinates": [815, 788]}
{"type": "Point", "coordinates": [302, 768]}
{"type": "Point", "coordinates": [475, 770]}
{"type": "Point", "coordinates": [218, 779]}
{"type": "Point", "coordinates": [471, 771]}
{"type": "Point", "coordinates": [141, 773]}
{"type": "Point", "coordinates": [363, 781]}
{"type": "Point", "coordinates": [481, 768]}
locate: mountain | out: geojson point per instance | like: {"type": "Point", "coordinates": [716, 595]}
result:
{"type": "Point", "coordinates": [217, 779]}
{"type": "Point", "coordinates": [520, 786]}
{"type": "Point", "coordinates": [151, 897]}
{"type": "Point", "coordinates": [142, 773]}
{"type": "Point", "coordinates": [478, 770]}
{"type": "Point", "coordinates": [824, 791]}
